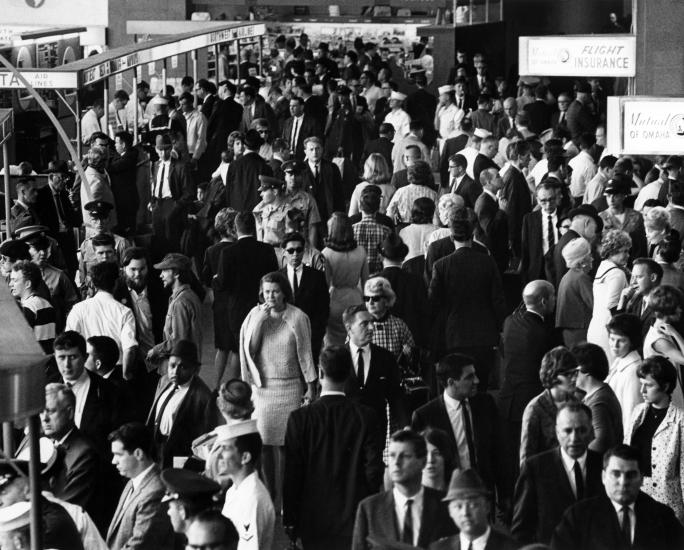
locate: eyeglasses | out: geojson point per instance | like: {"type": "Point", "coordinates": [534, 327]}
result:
{"type": "Point", "coordinates": [297, 250]}
{"type": "Point", "coordinates": [263, 131]}
{"type": "Point", "coordinates": [372, 299]}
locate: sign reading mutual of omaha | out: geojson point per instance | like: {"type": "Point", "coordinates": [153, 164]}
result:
{"type": "Point", "coordinates": [578, 55]}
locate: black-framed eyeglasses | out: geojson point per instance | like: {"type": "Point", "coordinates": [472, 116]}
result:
{"type": "Point", "coordinates": [372, 299]}
{"type": "Point", "coordinates": [297, 250]}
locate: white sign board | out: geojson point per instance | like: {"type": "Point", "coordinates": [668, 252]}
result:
{"type": "Point", "coordinates": [646, 125]}
{"type": "Point", "coordinates": [40, 79]}
{"type": "Point", "coordinates": [606, 55]}
{"type": "Point", "coordinates": [56, 12]}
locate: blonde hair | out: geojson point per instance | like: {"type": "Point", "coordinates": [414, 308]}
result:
{"type": "Point", "coordinates": [376, 170]}
{"type": "Point", "coordinates": [380, 285]}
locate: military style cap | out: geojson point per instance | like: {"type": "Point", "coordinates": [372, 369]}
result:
{"type": "Point", "coordinates": [225, 432]}
{"type": "Point", "coordinates": [15, 249]}
{"type": "Point", "coordinates": [99, 209]}
{"type": "Point", "coordinates": [269, 182]}
{"type": "Point", "coordinates": [294, 166]}
{"type": "Point", "coordinates": [398, 96]}
{"type": "Point", "coordinates": [187, 485]}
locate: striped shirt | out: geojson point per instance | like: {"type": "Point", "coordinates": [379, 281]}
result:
{"type": "Point", "coordinates": [41, 318]}
{"type": "Point", "coordinates": [369, 234]}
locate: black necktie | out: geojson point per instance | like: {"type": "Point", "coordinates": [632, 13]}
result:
{"type": "Point", "coordinates": [161, 180]}
{"type": "Point", "coordinates": [470, 545]}
{"type": "Point", "coordinates": [551, 237]}
{"type": "Point", "coordinates": [295, 286]}
{"type": "Point", "coordinates": [407, 535]}
{"type": "Point", "coordinates": [579, 481]}
{"type": "Point", "coordinates": [295, 131]}
{"type": "Point", "coordinates": [626, 526]}
{"type": "Point", "coordinates": [361, 371]}
{"type": "Point", "coordinates": [469, 433]}
{"type": "Point", "coordinates": [316, 172]}
{"type": "Point", "coordinates": [164, 405]}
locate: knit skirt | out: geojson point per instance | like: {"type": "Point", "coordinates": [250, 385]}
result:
{"type": "Point", "coordinates": [273, 403]}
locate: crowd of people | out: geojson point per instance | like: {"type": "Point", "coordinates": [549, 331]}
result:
{"type": "Point", "coordinates": [441, 321]}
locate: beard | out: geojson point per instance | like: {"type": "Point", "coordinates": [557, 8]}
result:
{"type": "Point", "coordinates": [136, 285]}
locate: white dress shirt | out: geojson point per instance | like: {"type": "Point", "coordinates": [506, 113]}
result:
{"type": "Point", "coordinates": [196, 141]}
{"type": "Point", "coordinates": [169, 415]}
{"type": "Point", "coordinates": [448, 120]}
{"type": "Point", "coordinates": [163, 168]}
{"type": "Point", "coordinates": [480, 543]}
{"type": "Point", "coordinates": [545, 229]}
{"type": "Point", "coordinates": [569, 465]}
{"type": "Point", "coordinates": [366, 352]}
{"type": "Point", "coordinates": [80, 388]}
{"type": "Point", "coordinates": [632, 517]}
{"type": "Point", "coordinates": [453, 407]}
{"type": "Point", "coordinates": [583, 170]}
{"type": "Point", "coordinates": [296, 129]}
{"type": "Point", "coordinates": [416, 511]}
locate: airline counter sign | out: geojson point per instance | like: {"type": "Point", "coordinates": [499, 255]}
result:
{"type": "Point", "coordinates": [578, 55]}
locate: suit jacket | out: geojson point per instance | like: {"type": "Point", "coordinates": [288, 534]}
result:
{"type": "Point", "coordinates": [635, 306]}
{"type": "Point", "coordinates": [261, 110]}
{"type": "Point", "coordinates": [81, 468]}
{"type": "Point", "coordinates": [606, 416]}
{"type": "Point", "coordinates": [46, 209]}
{"type": "Point", "coordinates": [534, 264]}
{"type": "Point", "coordinates": [197, 414]}
{"type": "Point", "coordinates": [376, 518]}
{"type": "Point", "coordinates": [142, 523]}
{"type": "Point", "coordinates": [494, 223]}
{"type": "Point", "coordinates": [411, 303]}
{"type": "Point", "coordinates": [399, 179]}
{"type": "Point", "coordinates": [593, 524]}
{"type": "Point", "coordinates": [313, 299]}
{"type": "Point", "coordinates": [441, 248]}
{"type": "Point", "coordinates": [309, 128]}
{"type": "Point", "coordinates": [180, 182]}
{"type": "Point", "coordinates": [381, 386]}
{"type": "Point", "coordinates": [224, 119]}
{"type": "Point", "coordinates": [503, 126]}
{"type": "Point", "coordinates": [451, 147]}
{"type": "Point", "coordinates": [156, 295]}
{"type": "Point", "coordinates": [101, 412]}
{"type": "Point", "coordinates": [326, 189]}
{"type": "Point", "coordinates": [517, 193]}
{"type": "Point", "coordinates": [580, 120]}
{"type": "Point", "coordinates": [555, 117]}
{"type": "Point", "coordinates": [526, 338]}
{"type": "Point", "coordinates": [240, 269]}
{"type": "Point", "coordinates": [543, 493]}
{"type": "Point", "coordinates": [483, 119]}
{"type": "Point", "coordinates": [469, 190]}
{"type": "Point", "coordinates": [242, 181]}
{"type": "Point", "coordinates": [540, 115]}
{"type": "Point", "coordinates": [208, 105]}
{"type": "Point", "coordinates": [496, 541]}
{"type": "Point", "coordinates": [122, 172]}
{"type": "Point", "coordinates": [482, 162]}
{"type": "Point", "coordinates": [315, 107]}
{"type": "Point", "coordinates": [333, 460]}
{"type": "Point", "coordinates": [486, 433]}
{"type": "Point", "coordinates": [382, 146]}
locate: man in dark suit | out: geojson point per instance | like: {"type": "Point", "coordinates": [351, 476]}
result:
{"type": "Point", "coordinates": [507, 122]}
{"type": "Point", "coordinates": [57, 213]}
{"type": "Point", "coordinates": [452, 146]}
{"type": "Point", "coordinates": [309, 288]}
{"type": "Point", "coordinates": [552, 481]}
{"type": "Point", "coordinates": [224, 117]}
{"type": "Point", "coordinates": [410, 289]}
{"type": "Point", "coordinates": [516, 192]}
{"type": "Point", "coordinates": [539, 111]}
{"type": "Point", "coordinates": [299, 127]}
{"type": "Point", "coordinates": [23, 211]}
{"type": "Point", "coordinates": [539, 235]}
{"type": "Point", "coordinates": [391, 516]}
{"type": "Point", "coordinates": [460, 183]}
{"type": "Point", "coordinates": [462, 99]}
{"type": "Point", "coordinates": [527, 336]}
{"type": "Point", "coordinates": [240, 269]}
{"type": "Point", "coordinates": [333, 459]}
{"type": "Point", "coordinates": [122, 169]}
{"type": "Point", "coordinates": [646, 275]}
{"type": "Point", "coordinates": [493, 218]}
{"type": "Point", "coordinates": [421, 105]}
{"type": "Point", "coordinates": [140, 519]}
{"type": "Point", "coordinates": [489, 147]}
{"type": "Point", "coordinates": [253, 107]}
{"type": "Point", "coordinates": [374, 380]}
{"type": "Point", "coordinates": [470, 508]}
{"type": "Point", "coordinates": [322, 179]}
{"type": "Point", "coordinates": [314, 106]}
{"type": "Point", "coordinates": [206, 92]}
{"type": "Point", "coordinates": [579, 115]}
{"type": "Point", "coordinates": [172, 192]}
{"type": "Point", "coordinates": [97, 401]}
{"type": "Point", "coordinates": [585, 222]}
{"type": "Point", "coordinates": [622, 519]}
{"type": "Point", "coordinates": [412, 154]}
{"type": "Point", "coordinates": [382, 145]}
{"type": "Point", "coordinates": [242, 181]}
{"type": "Point", "coordinates": [184, 409]}
{"type": "Point", "coordinates": [470, 420]}
{"type": "Point", "coordinates": [559, 118]}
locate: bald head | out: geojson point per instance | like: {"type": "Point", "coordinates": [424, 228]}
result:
{"type": "Point", "coordinates": [539, 296]}
{"type": "Point", "coordinates": [490, 179]}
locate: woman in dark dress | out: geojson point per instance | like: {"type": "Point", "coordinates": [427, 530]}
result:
{"type": "Point", "coordinates": [224, 224]}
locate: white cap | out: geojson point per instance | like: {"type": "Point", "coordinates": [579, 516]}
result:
{"type": "Point", "coordinates": [445, 89]}
{"type": "Point", "coordinates": [159, 100]}
{"type": "Point", "coordinates": [15, 516]}
{"type": "Point", "coordinates": [225, 432]}
{"type": "Point", "coordinates": [398, 96]}
{"type": "Point", "coordinates": [482, 133]}
{"type": "Point", "coordinates": [48, 453]}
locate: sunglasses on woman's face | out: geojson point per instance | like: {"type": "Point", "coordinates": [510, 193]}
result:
{"type": "Point", "coordinates": [372, 299]}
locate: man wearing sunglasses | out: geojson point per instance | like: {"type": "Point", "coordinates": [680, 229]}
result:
{"type": "Point", "coordinates": [309, 289]}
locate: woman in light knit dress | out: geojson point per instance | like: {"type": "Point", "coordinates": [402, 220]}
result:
{"type": "Point", "coordinates": [346, 272]}
{"type": "Point", "coordinates": [275, 354]}
{"type": "Point", "coordinates": [609, 282]}
{"type": "Point", "coordinates": [575, 296]}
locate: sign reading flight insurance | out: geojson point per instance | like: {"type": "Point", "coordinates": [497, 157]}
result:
{"type": "Point", "coordinates": [645, 125]}
{"type": "Point", "coordinates": [578, 55]}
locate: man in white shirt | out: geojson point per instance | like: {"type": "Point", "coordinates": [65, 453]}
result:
{"type": "Point", "coordinates": [196, 126]}
{"type": "Point", "coordinates": [370, 91]}
{"type": "Point", "coordinates": [248, 504]}
{"type": "Point", "coordinates": [448, 116]}
{"type": "Point", "coordinates": [469, 507]}
{"type": "Point", "coordinates": [583, 168]}
{"type": "Point", "coordinates": [597, 184]}
{"type": "Point", "coordinates": [90, 123]}
{"type": "Point", "coordinates": [397, 117]}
